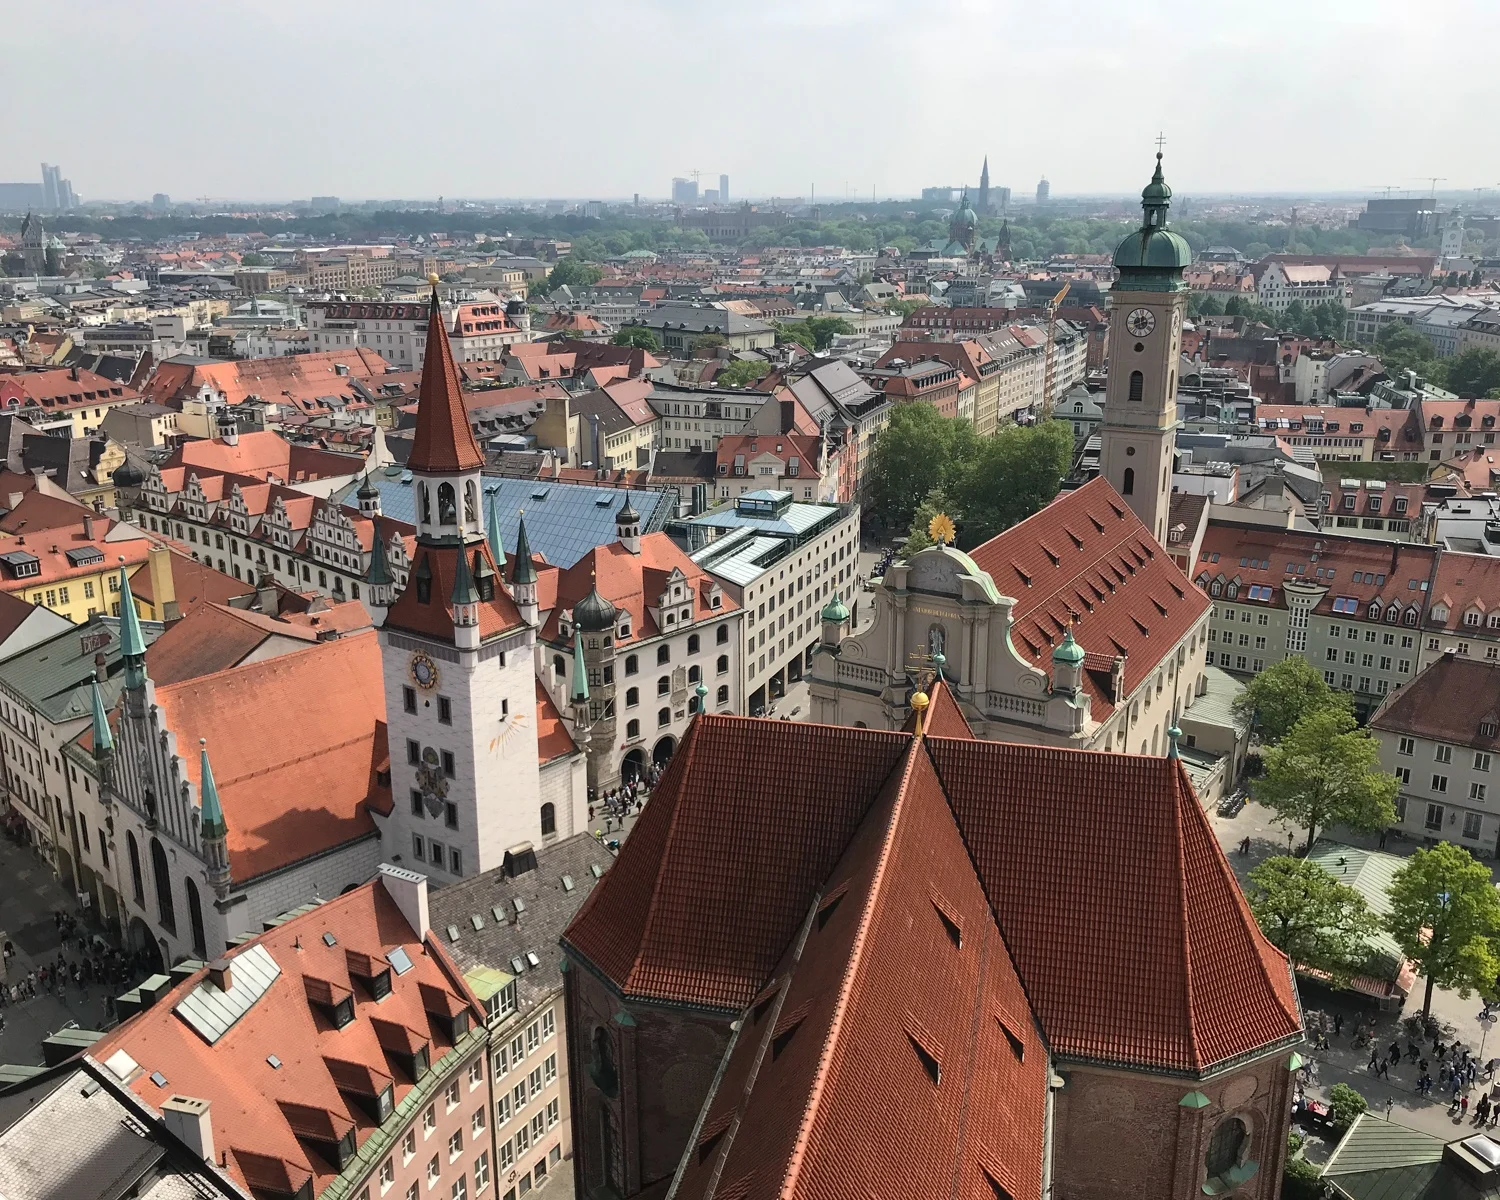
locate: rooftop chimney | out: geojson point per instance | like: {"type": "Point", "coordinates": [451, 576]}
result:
{"type": "Point", "coordinates": [88, 527]}
{"type": "Point", "coordinates": [101, 667]}
{"type": "Point", "coordinates": [219, 974]}
{"type": "Point", "coordinates": [187, 1120]}
{"type": "Point", "coordinates": [409, 891]}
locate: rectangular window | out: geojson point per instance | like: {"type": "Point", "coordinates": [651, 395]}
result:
{"type": "Point", "coordinates": [449, 767]}
{"type": "Point", "coordinates": [1439, 783]}
{"type": "Point", "coordinates": [505, 1155]}
{"type": "Point", "coordinates": [1434, 816]}
{"type": "Point", "coordinates": [1481, 761]}
{"type": "Point", "coordinates": [502, 1062]}
{"type": "Point", "coordinates": [476, 1122]}
{"type": "Point", "coordinates": [554, 1113]}
{"type": "Point", "coordinates": [549, 1021]}
{"type": "Point", "coordinates": [549, 1068]}
{"type": "Point", "coordinates": [1476, 791]}
{"type": "Point", "coordinates": [455, 1144]}
{"type": "Point", "coordinates": [1403, 775]}
{"type": "Point", "coordinates": [409, 699]}
{"type": "Point", "coordinates": [536, 1081]}
{"type": "Point", "coordinates": [502, 1109]}
{"type": "Point", "coordinates": [519, 1095]}
{"type": "Point", "coordinates": [413, 752]}
{"type": "Point", "coordinates": [533, 1036]}
{"type": "Point", "coordinates": [455, 860]}
{"type": "Point", "coordinates": [1443, 754]}
{"type": "Point", "coordinates": [482, 1171]}
{"type": "Point", "coordinates": [1473, 822]}
{"type": "Point", "coordinates": [418, 847]}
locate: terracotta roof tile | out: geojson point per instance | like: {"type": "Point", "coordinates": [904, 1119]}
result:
{"type": "Point", "coordinates": [435, 618]}
{"type": "Point", "coordinates": [443, 441]}
{"type": "Point", "coordinates": [1424, 707]}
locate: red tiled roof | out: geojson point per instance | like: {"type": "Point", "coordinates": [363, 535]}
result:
{"type": "Point", "coordinates": [212, 637]}
{"type": "Point", "coordinates": [944, 717]}
{"type": "Point", "coordinates": [552, 737]}
{"type": "Point", "coordinates": [1463, 582]}
{"type": "Point", "coordinates": [846, 1006]}
{"type": "Point", "coordinates": [1424, 707]}
{"type": "Point", "coordinates": [435, 618]}
{"type": "Point", "coordinates": [257, 1109]}
{"type": "Point", "coordinates": [443, 441]}
{"type": "Point", "coordinates": [194, 584]}
{"type": "Point", "coordinates": [1086, 560]}
{"type": "Point", "coordinates": [1091, 894]}
{"type": "Point", "coordinates": [288, 797]}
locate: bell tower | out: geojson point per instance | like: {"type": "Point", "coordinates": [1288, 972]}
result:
{"type": "Point", "coordinates": [1145, 333]}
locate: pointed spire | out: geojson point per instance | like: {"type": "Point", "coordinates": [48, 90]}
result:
{"type": "Point", "coordinates": [132, 641]}
{"type": "Point", "coordinates": [580, 669]}
{"type": "Point", "coordinates": [463, 580]}
{"type": "Point", "coordinates": [211, 823]}
{"type": "Point", "coordinates": [380, 568]}
{"type": "Point", "coordinates": [1173, 734]}
{"type": "Point", "coordinates": [443, 442]}
{"type": "Point", "coordinates": [523, 570]}
{"type": "Point", "coordinates": [104, 740]}
{"type": "Point", "coordinates": [492, 529]}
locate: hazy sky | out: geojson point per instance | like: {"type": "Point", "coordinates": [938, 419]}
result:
{"type": "Point", "coordinates": [603, 98]}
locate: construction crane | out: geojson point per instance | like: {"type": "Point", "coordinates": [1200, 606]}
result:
{"type": "Point", "coordinates": [1049, 364]}
{"type": "Point", "coordinates": [696, 174]}
{"type": "Point", "coordinates": [1387, 188]}
{"type": "Point", "coordinates": [1434, 181]}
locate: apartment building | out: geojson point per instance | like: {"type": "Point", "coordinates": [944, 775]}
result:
{"type": "Point", "coordinates": [397, 329]}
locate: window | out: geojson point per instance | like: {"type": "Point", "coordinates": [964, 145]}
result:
{"type": "Point", "coordinates": [387, 1173]}
{"type": "Point", "coordinates": [722, 696]}
{"type": "Point", "coordinates": [722, 637]}
{"type": "Point", "coordinates": [476, 1122]}
{"type": "Point", "coordinates": [553, 1113]}
{"type": "Point", "coordinates": [1434, 816]}
{"type": "Point", "coordinates": [455, 1144]}
{"type": "Point", "coordinates": [632, 664]}
{"type": "Point", "coordinates": [549, 1024]}
{"type": "Point", "coordinates": [692, 645]}
{"type": "Point", "coordinates": [1403, 775]}
{"type": "Point", "coordinates": [409, 699]}
{"type": "Point", "coordinates": [1406, 746]}
{"type": "Point", "coordinates": [408, 1146]}
{"type": "Point", "coordinates": [433, 1171]}
{"type": "Point", "coordinates": [1137, 385]}
{"type": "Point", "coordinates": [663, 717]}
{"type": "Point", "coordinates": [505, 1156]}
{"type": "Point", "coordinates": [1225, 1147]}
{"type": "Point", "coordinates": [663, 654]}
{"type": "Point", "coordinates": [632, 729]}
{"type": "Point", "coordinates": [482, 1171]}
{"type": "Point", "coordinates": [549, 1068]}
{"type": "Point", "coordinates": [663, 685]}
{"type": "Point", "coordinates": [460, 1189]}
{"type": "Point", "coordinates": [418, 846]}
{"type": "Point", "coordinates": [721, 665]}
{"type": "Point", "coordinates": [549, 820]}
{"type": "Point", "coordinates": [533, 1036]}
{"type": "Point", "coordinates": [1473, 822]}
{"type": "Point", "coordinates": [1481, 761]}
{"type": "Point", "coordinates": [1443, 754]}
{"type": "Point", "coordinates": [1439, 783]}
{"type": "Point", "coordinates": [445, 710]}
{"type": "Point", "coordinates": [429, 1121]}
{"type": "Point", "coordinates": [1128, 488]}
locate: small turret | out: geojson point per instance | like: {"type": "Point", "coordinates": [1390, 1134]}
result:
{"type": "Point", "coordinates": [523, 576]}
{"type": "Point", "coordinates": [835, 622]}
{"type": "Point", "coordinates": [701, 691]}
{"type": "Point", "coordinates": [492, 529]}
{"type": "Point", "coordinates": [369, 497]}
{"type": "Point", "coordinates": [465, 600]}
{"type": "Point", "coordinates": [1067, 665]}
{"type": "Point", "coordinates": [132, 641]}
{"type": "Point", "coordinates": [103, 739]}
{"type": "Point", "coordinates": [580, 692]}
{"type": "Point", "coordinates": [628, 527]}
{"type": "Point", "coordinates": [1173, 734]}
{"type": "Point", "coordinates": [212, 828]}
{"type": "Point", "coordinates": [378, 581]}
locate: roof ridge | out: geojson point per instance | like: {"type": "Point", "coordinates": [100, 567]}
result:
{"type": "Point", "coordinates": [279, 660]}
{"type": "Point", "coordinates": [856, 954]}
{"type": "Point", "coordinates": [1183, 911]}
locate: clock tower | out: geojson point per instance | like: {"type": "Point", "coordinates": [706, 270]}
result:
{"type": "Point", "coordinates": [1139, 431]}
{"type": "Point", "coordinates": [460, 679]}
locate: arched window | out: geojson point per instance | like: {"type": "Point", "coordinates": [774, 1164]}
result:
{"type": "Point", "coordinates": [549, 820]}
{"type": "Point", "coordinates": [1374, 610]}
{"type": "Point", "coordinates": [632, 664]}
{"type": "Point", "coordinates": [1137, 385]}
{"type": "Point", "coordinates": [1225, 1147]}
{"type": "Point", "coordinates": [195, 920]}
{"type": "Point", "coordinates": [663, 716]}
{"type": "Point", "coordinates": [1129, 488]}
{"type": "Point", "coordinates": [559, 665]}
{"type": "Point", "coordinates": [664, 653]}
{"type": "Point", "coordinates": [692, 704]}
{"type": "Point", "coordinates": [721, 666]}
{"type": "Point", "coordinates": [722, 697]}
{"type": "Point", "coordinates": [663, 685]}
{"type": "Point", "coordinates": [163, 882]}
{"type": "Point", "coordinates": [632, 697]}
{"type": "Point", "coordinates": [135, 868]}
{"type": "Point", "coordinates": [632, 729]}
{"type": "Point", "coordinates": [693, 643]}
{"type": "Point", "coordinates": [447, 505]}
{"type": "Point", "coordinates": [471, 503]}
{"type": "Point", "coordinates": [723, 635]}
{"type": "Point", "coordinates": [426, 493]}
{"type": "Point", "coordinates": [694, 674]}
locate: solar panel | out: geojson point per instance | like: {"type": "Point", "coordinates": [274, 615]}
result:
{"type": "Point", "coordinates": [400, 960]}
{"type": "Point", "coordinates": [212, 1012]}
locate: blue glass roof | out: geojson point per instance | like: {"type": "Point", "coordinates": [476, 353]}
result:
{"type": "Point", "coordinates": [564, 521]}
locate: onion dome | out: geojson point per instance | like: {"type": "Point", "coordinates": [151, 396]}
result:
{"type": "Point", "coordinates": [128, 474]}
{"type": "Point", "coordinates": [835, 611]}
{"type": "Point", "coordinates": [1068, 651]}
{"type": "Point", "coordinates": [594, 613]}
{"type": "Point", "coordinates": [627, 514]}
{"type": "Point", "coordinates": [367, 489]}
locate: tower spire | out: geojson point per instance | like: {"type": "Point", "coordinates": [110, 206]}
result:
{"type": "Point", "coordinates": [211, 821]}
{"type": "Point", "coordinates": [492, 530]}
{"type": "Point", "coordinates": [443, 442]}
{"type": "Point", "coordinates": [103, 739]}
{"type": "Point", "coordinates": [580, 669]}
{"type": "Point", "coordinates": [132, 641]}
{"type": "Point", "coordinates": [523, 570]}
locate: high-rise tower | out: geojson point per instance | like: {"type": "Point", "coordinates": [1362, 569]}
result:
{"type": "Point", "coordinates": [1145, 330]}
{"type": "Point", "coordinates": [984, 188]}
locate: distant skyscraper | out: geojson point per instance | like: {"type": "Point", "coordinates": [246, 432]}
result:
{"type": "Point", "coordinates": [723, 189]}
{"type": "Point", "coordinates": [50, 177]}
{"type": "Point", "coordinates": [710, 195]}
{"type": "Point", "coordinates": [161, 202]}
{"type": "Point", "coordinates": [1043, 191]}
{"type": "Point", "coordinates": [684, 191]}
{"type": "Point", "coordinates": [984, 188]}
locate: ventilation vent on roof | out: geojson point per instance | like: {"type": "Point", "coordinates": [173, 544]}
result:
{"type": "Point", "coordinates": [996, 1187]}
{"type": "Point", "coordinates": [567, 882]}
{"type": "Point", "coordinates": [595, 870]}
{"type": "Point", "coordinates": [927, 1059]}
{"type": "Point", "coordinates": [950, 926]}
{"type": "Point", "coordinates": [498, 913]}
{"type": "Point", "coordinates": [520, 905]}
{"type": "Point", "coordinates": [782, 1040]}
{"type": "Point", "coordinates": [828, 907]}
{"type": "Point", "coordinates": [1017, 1047]}
{"type": "Point", "coordinates": [533, 960]}
{"type": "Point", "coordinates": [518, 965]}
{"type": "Point", "coordinates": [477, 921]}
{"type": "Point", "coordinates": [274, 1061]}
{"type": "Point", "coordinates": [159, 1079]}
{"type": "Point", "coordinates": [709, 1143]}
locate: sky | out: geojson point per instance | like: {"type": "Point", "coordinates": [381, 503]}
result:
{"type": "Point", "coordinates": [606, 98]}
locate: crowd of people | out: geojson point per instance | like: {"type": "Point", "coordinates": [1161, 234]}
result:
{"type": "Point", "coordinates": [84, 960]}
{"type": "Point", "coordinates": [617, 803]}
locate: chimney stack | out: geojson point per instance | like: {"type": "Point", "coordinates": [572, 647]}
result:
{"type": "Point", "coordinates": [163, 586]}
{"type": "Point", "coordinates": [101, 667]}
{"type": "Point", "coordinates": [219, 974]}
{"type": "Point", "coordinates": [409, 891]}
{"type": "Point", "coordinates": [187, 1120]}
{"type": "Point", "coordinates": [88, 526]}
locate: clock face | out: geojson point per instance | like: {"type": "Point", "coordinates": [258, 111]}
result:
{"type": "Point", "coordinates": [1140, 322]}
{"type": "Point", "coordinates": [424, 672]}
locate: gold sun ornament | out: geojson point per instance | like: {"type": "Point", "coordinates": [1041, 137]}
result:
{"type": "Point", "coordinates": [940, 529]}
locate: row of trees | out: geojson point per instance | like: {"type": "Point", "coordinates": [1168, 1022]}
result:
{"type": "Point", "coordinates": [1321, 770]}
{"type": "Point", "coordinates": [925, 463]}
{"type": "Point", "coordinates": [1475, 372]}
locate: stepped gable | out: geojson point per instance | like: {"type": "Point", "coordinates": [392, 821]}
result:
{"type": "Point", "coordinates": [1087, 560]}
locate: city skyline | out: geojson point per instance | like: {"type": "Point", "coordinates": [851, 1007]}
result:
{"type": "Point", "coordinates": [457, 132]}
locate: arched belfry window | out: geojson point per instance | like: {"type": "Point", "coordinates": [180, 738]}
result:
{"type": "Point", "coordinates": [425, 493]}
{"type": "Point", "coordinates": [471, 503]}
{"type": "Point", "coordinates": [136, 886]}
{"type": "Point", "coordinates": [1129, 488]}
{"type": "Point", "coordinates": [447, 505]}
{"type": "Point", "coordinates": [1137, 385]}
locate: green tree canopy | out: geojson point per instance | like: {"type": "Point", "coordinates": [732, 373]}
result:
{"type": "Point", "coordinates": [904, 308]}
{"type": "Point", "coordinates": [1445, 915]}
{"type": "Point", "coordinates": [1402, 348]}
{"type": "Point", "coordinates": [1327, 772]}
{"type": "Point", "coordinates": [1314, 919]}
{"type": "Point", "coordinates": [1284, 693]}
{"type": "Point", "coordinates": [919, 450]}
{"type": "Point", "coordinates": [571, 272]}
{"type": "Point", "coordinates": [705, 342]}
{"type": "Point", "coordinates": [1014, 472]}
{"type": "Point", "coordinates": [1241, 306]}
{"type": "Point", "coordinates": [638, 336]}
{"type": "Point", "coordinates": [1475, 372]}
{"type": "Point", "coordinates": [936, 501]}
{"type": "Point", "coordinates": [252, 260]}
{"type": "Point", "coordinates": [1204, 304]}
{"type": "Point", "coordinates": [796, 331]}
{"type": "Point", "coordinates": [825, 329]}
{"type": "Point", "coordinates": [741, 373]}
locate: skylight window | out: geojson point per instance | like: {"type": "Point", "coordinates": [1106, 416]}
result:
{"type": "Point", "coordinates": [533, 959]}
{"type": "Point", "coordinates": [274, 1061]}
{"type": "Point", "coordinates": [399, 960]}
{"type": "Point", "coordinates": [520, 905]}
{"type": "Point", "coordinates": [159, 1079]}
{"type": "Point", "coordinates": [330, 940]}
{"type": "Point", "coordinates": [453, 934]}
{"type": "Point", "coordinates": [477, 921]}
{"type": "Point", "coordinates": [518, 965]}
{"type": "Point", "coordinates": [567, 882]}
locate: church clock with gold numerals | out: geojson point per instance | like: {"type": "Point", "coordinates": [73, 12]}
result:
{"type": "Point", "coordinates": [423, 671]}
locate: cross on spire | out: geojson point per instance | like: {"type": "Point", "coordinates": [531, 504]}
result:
{"type": "Point", "coordinates": [1161, 140]}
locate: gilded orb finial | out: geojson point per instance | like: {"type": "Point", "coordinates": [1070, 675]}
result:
{"type": "Point", "coordinates": [433, 278]}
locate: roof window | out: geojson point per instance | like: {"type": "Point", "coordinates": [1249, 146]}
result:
{"type": "Point", "coordinates": [928, 1060]}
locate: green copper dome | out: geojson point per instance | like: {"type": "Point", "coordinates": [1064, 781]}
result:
{"type": "Point", "coordinates": [835, 611]}
{"type": "Point", "coordinates": [1153, 248]}
{"type": "Point", "coordinates": [1068, 651]}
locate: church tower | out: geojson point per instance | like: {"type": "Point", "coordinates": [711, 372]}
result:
{"type": "Point", "coordinates": [1145, 331]}
{"type": "Point", "coordinates": [457, 651]}
{"type": "Point", "coordinates": [984, 188]}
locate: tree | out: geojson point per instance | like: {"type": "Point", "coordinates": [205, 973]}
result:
{"type": "Point", "coordinates": [638, 336]}
{"type": "Point", "coordinates": [252, 260]}
{"type": "Point", "coordinates": [798, 332]}
{"type": "Point", "coordinates": [1445, 916]}
{"type": "Point", "coordinates": [570, 272]}
{"type": "Point", "coordinates": [1282, 695]}
{"type": "Point", "coordinates": [1331, 318]}
{"type": "Point", "coordinates": [918, 450]}
{"type": "Point", "coordinates": [1310, 916]}
{"type": "Point", "coordinates": [1475, 372]}
{"type": "Point", "coordinates": [904, 308]}
{"type": "Point", "coordinates": [705, 343]}
{"type": "Point", "coordinates": [825, 329]}
{"type": "Point", "coordinates": [1402, 348]}
{"type": "Point", "coordinates": [936, 501]}
{"type": "Point", "coordinates": [1014, 472]}
{"type": "Point", "coordinates": [1242, 306]}
{"type": "Point", "coordinates": [741, 373]}
{"type": "Point", "coordinates": [1325, 772]}
{"type": "Point", "coordinates": [1346, 1104]}
{"type": "Point", "coordinates": [1204, 304]}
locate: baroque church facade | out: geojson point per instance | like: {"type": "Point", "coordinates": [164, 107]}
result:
{"type": "Point", "coordinates": [430, 742]}
{"type": "Point", "coordinates": [1073, 628]}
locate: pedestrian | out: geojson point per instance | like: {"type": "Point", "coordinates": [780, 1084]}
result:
{"type": "Point", "coordinates": [1384, 1071]}
{"type": "Point", "coordinates": [1338, 1024]}
{"type": "Point", "coordinates": [1374, 1060]}
{"type": "Point", "coordinates": [1411, 1050]}
{"type": "Point", "coordinates": [1443, 1074]}
{"type": "Point", "coordinates": [1422, 1065]}
{"type": "Point", "coordinates": [1463, 1104]}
